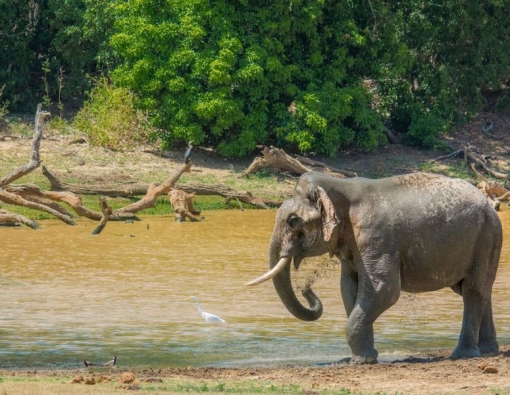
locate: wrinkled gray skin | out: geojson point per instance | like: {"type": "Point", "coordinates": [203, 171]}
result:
{"type": "Point", "coordinates": [415, 233]}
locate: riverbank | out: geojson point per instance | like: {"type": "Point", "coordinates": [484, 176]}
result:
{"type": "Point", "coordinates": [431, 374]}
{"type": "Point", "coordinates": [67, 153]}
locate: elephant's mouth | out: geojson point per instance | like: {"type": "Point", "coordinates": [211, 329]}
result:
{"type": "Point", "coordinates": [297, 261]}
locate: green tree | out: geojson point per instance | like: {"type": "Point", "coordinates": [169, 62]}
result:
{"type": "Point", "coordinates": [236, 73]}
{"type": "Point", "coordinates": [18, 22]}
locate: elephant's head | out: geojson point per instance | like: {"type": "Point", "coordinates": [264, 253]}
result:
{"type": "Point", "coordinates": [306, 225]}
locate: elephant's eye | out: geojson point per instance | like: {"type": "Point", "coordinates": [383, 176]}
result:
{"type": "Point", "coordinates": [294, 222]}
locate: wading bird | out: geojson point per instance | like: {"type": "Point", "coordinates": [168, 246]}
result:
{"type": "Point", "coordinates": [112, 362]}
{"type": "Point", "coordinates": [187, 154]}
{"type": "Point", "coordinates": [88, 364]}
{"type": "Point", "coordinates": [108, 364]}
{"type": "Point", "coordinates": [211, 318]}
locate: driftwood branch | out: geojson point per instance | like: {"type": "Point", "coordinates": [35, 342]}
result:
{"type": "Point", "coordinates": [278, 159]}
{"type": "Point", "coordinates": [182, 203]}
{"type": "Point", "coordinates": [342, 173]}
{"type": "Point", "coordinates": [155, 190]}
{"type": "Point", "coordinates": [8, 218]}
{"type": "Point", "coordinates": [106, 212]}
{"type": "Point", "coordinates": [11, 198]}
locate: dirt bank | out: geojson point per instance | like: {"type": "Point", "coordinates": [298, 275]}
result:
{"type": "Point", "coordinates": [434, 374]}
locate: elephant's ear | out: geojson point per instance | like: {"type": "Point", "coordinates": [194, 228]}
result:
{"type": "Point", "coordinates": [329, 219]}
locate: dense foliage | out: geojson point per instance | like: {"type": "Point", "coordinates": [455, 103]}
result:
{"type": "Point", "coordinates": [312, 74]}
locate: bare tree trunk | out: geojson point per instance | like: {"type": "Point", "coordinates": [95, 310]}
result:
{"type": "Point", "coordinates": [35, 160]}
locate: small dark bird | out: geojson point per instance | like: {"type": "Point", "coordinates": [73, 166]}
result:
{"type": "Point", "coordinates": [187, 154]}
{"type": "Point", "coordinates": [88, 364]}
{"type": "Point", "coordinates": [111, 362]}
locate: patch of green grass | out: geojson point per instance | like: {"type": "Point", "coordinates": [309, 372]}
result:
{"type": "Point", "coordinates": [245, 387]}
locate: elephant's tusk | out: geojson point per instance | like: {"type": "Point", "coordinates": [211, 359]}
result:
{"type": "Point", "coordinates": [271, 273]}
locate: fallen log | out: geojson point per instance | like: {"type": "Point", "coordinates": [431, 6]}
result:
{"type": "Point", "coordinates": [123, 190]}
{"type": "Point", "coordinates": [8, 218]}
{"type": "Point", "coordinates": [229, 194]}
{"type": "Point", "coordinates": [278, 159]}
{"type": "Point", "coordinates": [327, 169]}
{"type": "Point", "coordinates": [11, 198]}
{"type": "Point", "coordinates": [154, 191]}
{"type": "Point", "coordinates": [33, 193]}
{"type": "Point", "coordinates": [128, 190]}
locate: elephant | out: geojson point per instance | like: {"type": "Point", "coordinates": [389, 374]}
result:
{"type": "Point", "coordinates": [416, 232]}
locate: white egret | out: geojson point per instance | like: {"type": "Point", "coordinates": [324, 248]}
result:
{"type": "Point", "coordinates": [208, 317]}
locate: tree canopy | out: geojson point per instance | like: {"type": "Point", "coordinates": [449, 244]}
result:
{"type": "Point", "coordinates": [315, 75]}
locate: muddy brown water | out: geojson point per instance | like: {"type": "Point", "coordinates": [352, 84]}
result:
{"type": "Point", "coordinates": [66, 295]}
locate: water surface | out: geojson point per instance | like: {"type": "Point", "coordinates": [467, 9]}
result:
{"type": "Point", "coordinates": [66, 295]}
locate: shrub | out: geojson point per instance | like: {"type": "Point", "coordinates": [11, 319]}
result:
{"type": "Point", "coordinates": [109, 118]}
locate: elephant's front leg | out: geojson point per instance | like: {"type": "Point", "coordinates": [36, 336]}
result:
{"type": "Point", "coordinates": [375, 294]}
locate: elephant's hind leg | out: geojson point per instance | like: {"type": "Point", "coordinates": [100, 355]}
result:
{"type": "Point", "coordinates": [478, 333]}
{"type": "Point", "coordinates": [487, 341]}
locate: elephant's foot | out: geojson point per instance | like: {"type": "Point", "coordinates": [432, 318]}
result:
{"type": "Point", "coordinates": [369, 359]}
{"type": "Point", "coordinates": [489, 348]}
{"type": "Point", "coordinates": [466, 352]}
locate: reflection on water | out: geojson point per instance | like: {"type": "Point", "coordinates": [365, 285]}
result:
{"type": "Point", "coordinates": [66, 295]}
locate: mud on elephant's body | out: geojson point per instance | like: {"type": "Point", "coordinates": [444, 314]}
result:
{"type": "Point", "coordinates": [416, 233]}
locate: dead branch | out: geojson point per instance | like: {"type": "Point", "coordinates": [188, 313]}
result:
{"type": "Point", "coordinates": [479, 161]}
{"type": "Point", "coordinates": [279, 159]}
{"type": "Point", "coordinates": [473, 158]}
{"type": "Point", "coordinates": [106, 212]}
{"type": "Point", "coordinates": [276, 158]}
{"type": "Point", "coordinates": [8, 218]}
{"type": "Point", "coordinates": [449, 156]}
{"type": "Point", "coordinates": [124, 190]}
{"type": "Point", "coordinates": [11, 198]}
{"type": "Point", "coordinates": [328, 169]}
{"type": "Point", "coordinates": [229, 194]}
{"type": "Point", "coordinates": [182, 203]}
{"type": "Point", "coordinates": [154, 191]}
{"type": "Point", "coordinates": [393, 137]}
{"type": "Point", "coordinates": [35, 160]}
{"type": "Point", "coordinates": [33, 193]}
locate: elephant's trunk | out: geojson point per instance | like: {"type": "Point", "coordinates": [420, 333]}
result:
{"type": "Point", "coordinates": [283, 286]}
{"type": "Point", "coordinates": [280, 273]}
